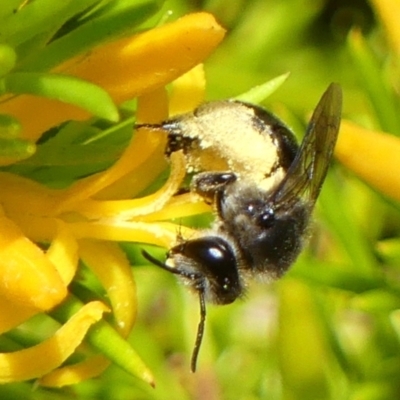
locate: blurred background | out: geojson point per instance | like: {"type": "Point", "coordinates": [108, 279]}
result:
{"type": "Point", "coordinates": [330, 328]}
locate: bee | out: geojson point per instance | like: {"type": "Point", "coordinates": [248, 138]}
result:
{"type": "Point", "coordinates": [263, 187]}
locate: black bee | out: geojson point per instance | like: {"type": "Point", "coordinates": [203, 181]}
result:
{"type": "Point", "coordinates": [263, 187]}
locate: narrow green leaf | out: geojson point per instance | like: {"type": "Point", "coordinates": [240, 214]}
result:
{"type": "Point", "coordinates": [120, 17]}
{"type": "Point", "coordinates": [7, 59]}
{"type": "Point", "coordinates": [64, 88]}
{"type": "Point", "coordinates": [9, 127]}
{"type": "Point", "coordinates": [16, 149]}
{"type": "Point", "coordinates": [9, 8]}
{"type": "Point", "coordinates": [376, 301]}
{"type": "Point", "coordinates": [259, 93]}
{"type": "Point", "coordinates": [379, 92]}
{"type": "Point", "coordinates": [108, 341]}
{"type": "Point", "coordinates": [389, 250]}
{"type": "Point", "coordinates": [338, 215]}
{"type": "Point", "coordinates": [395, 321]}
{"type": "Point", "coordinates": [38, 16]}
{"type": "Point", "coordinates": [334, 275]}
{"type": "Point", "coordinates": [59, 22]}
{"type": "Point", "coordinates": [113, 346]}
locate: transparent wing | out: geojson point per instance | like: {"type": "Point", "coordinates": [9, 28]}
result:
{"type": "Point", "coordinates": [307, 173]}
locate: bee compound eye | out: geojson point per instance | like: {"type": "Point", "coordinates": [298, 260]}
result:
{"type": "Point", "coordinates": [215, 259]}
{"type": "Point", "coordinates": [212, 253]}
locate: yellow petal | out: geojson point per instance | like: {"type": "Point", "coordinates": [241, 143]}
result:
{"type": "Point", "coordinates": [188, 91]}
{"type": "Point", "coordinates": [27, 277]}
{"type": "Point", "coordinates": [38, 229]}
{"type": "Point", "coordinates": [110, 265]}
{"type": "Point", "coordinates": [132, 66]}
{"type": "Point", "coordinates": [125, 68]}
{"type": "Point", "coordinates": [63, 253]}
{"type": "Point", "coordinates": [38, 360]}
{"type": "Point", "coordinates": [142, 146]}
{"type": "Point", "coordinates": [184, 205]}
{"type": "Point", "coordinates": [29, 110]}
{"type": "Point", "coordinates": [19, 194]}
{"type": "Point", "coordinates": [373, 155]}
{"type": "Point", "coordinates": [151, 108]}
{"type": "Point", "coordinates": [13, 314]}
{"type": "Point", "coordinates": [129, 209]}
{"type": "Point", "coordinates": [161, 234]}
{"type": "Point", "coordinates": [389, 11]}
{"type": "Point", "coordinates": [73, 374]}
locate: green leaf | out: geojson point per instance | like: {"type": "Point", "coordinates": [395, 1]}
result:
{"type": "Point", "coordinates": [339, 217]}
{"type": "Point", "coordinates": [379, 91]}
{"type": "Point", "coordinates": [64, 88]}
{"type": "Point", "coordinates": [65, 153]}
{"type": "Point", "coordinates": [9, 127]}
{"type": "Point", "coordinates": [38, 16]}
{"type": "Point", "coordinates": [16, 149]}
{"type": "Point", "coordinates": [377, 301]}
{"type": "Point", "coordinates": [7, 59]}
{"type": "Point", "coordinates": [259, 93]}
{"type": "Point", "coordinates": [116, 18]}
{"type": "Point", "coordinates": [389, 250]}
{"type": "Point", "coordinates": [108, 341]}
{"type": "Point", "coordinates": [9, 8]}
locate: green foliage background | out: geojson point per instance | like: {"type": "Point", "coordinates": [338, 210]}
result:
{"type": "Point", "coordinates": [330, 328]}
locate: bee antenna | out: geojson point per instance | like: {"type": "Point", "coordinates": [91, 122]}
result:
{"type": "Point", "coordinates": [150, 126]}
{"type": "Point", "coordinates": [200, 327]}
{"type": "Point", "coordinates": [200, 331]}
{"type": "Point", "coordinates": [173, 270]}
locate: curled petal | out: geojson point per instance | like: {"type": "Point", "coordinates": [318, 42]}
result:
{"type": "Point", "coordinates": [372, 155]}
{"type": "Point", "coordinates": [63, 253]}
{"type": "Point", "coordinates": [106, 340]}
{"type": "Point", "coordinates": [125, 357]}
{"type": "Point", "coordinates": [143, 145]}
{"type": "Point", "coordinates": [27, 276]}
{"type": "Point", "coordinates": [13, 314]}
{"type": "Point", "coordinates": [184, 205]}
{"type": "Point", "coordinates": [129, 209]}
{"type": "Point", "coordinates": [38, 360]}
{"type": "Point", "coordinates": [73, 374]}
{"type": "Point", "coordinates": [112, 268]}
{"type": "Point", "coordinates": [139, 172]}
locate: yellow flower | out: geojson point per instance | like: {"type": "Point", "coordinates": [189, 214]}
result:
{"type": "Point", "coordinates": [85, 220]}
{"type": "Point", "coordinates": [388, 11]}
{"type": "Point", "coordinates": [372, 154]}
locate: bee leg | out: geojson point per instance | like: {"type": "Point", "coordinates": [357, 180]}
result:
{"type": "Point", "coordinates": [208, 184]}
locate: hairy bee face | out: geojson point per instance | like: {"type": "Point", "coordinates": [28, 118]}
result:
{"type": "Point", "coordinates": [262, 185]}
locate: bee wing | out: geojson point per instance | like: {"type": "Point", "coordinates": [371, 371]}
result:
{"type": "Point", "coordinates": [307, 172]}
